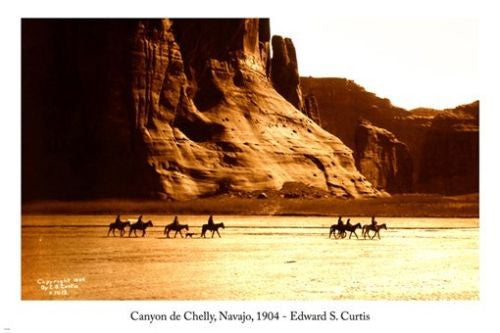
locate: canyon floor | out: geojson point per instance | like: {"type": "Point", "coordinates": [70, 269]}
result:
{"type": "Point", "coordinates": [407, 205]}
{"type": "Point", "coordinates": [257, 258]}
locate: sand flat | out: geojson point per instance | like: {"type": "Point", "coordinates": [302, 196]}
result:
{"type": "Point", "coordinates": [257, 258]}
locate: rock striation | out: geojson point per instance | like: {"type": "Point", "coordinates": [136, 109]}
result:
{"type": "Point", "coordinates": [177, 109]}
{"type": "Point", "coordinates": [311, 108]}
{"type": "Point", "coordinates": [383, 159]}
{"type": "Point", "coordinates": [450, 152]}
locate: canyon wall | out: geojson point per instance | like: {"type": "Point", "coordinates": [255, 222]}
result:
{"type": "Point", "coordinates": [383, 159]}
{"type": "Point", "coordinates": [433, 137]}
{"type": "Point", "coordinates": [450, 152]}
{"type": "Point", "coordinates": [177, 109]}
{"type": "Point", "coordinates": [285, 71]}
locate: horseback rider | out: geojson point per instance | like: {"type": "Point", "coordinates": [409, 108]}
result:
{"type": "Point", "coordinates": [374, 223]}
{"type": "Point", "coordinates": [348, 222]}
{"type": "Point", "coordinates": [211, 220]}
{"type": "Point", "coordinates": [210, 225]}
{"type": "Point", "coordinates": [117, 219]}
{"type": "Point", "coordinates": [176, 220]}
{"type": "Point", "coordinates": [341, 227]}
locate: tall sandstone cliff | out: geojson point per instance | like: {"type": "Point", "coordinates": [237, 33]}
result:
{"type": "Point", "coordinates": [177, 108]}
{"type": "Point", "coordinates": [286, 80]}
{"type": "Point", "coordinates": [383, 159]}
{"type": "Point", "coordinates": [433, 137]}
{"type": "Point", "coordinates": [285, 71]}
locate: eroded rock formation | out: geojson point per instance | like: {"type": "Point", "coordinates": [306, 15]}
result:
{"type": "Point", "coordinates": [285, 71]}
{"type": "Point", "coordinates": [311, 108]}
{"type": "Point", "coordinates": [342, 103]}
{"type": "Point", "coordinates": [383, 159]}
{"type": "Point", "coordinates": [167, 108]}
{"type": "Point", "coordinates": [433, 136]}
{"type": "Point", "coordinates": [450, 152]}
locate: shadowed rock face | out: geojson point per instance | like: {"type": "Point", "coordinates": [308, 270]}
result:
{"type": "Point", "coordinates": [311, 108]}
{"type": "Point", "coordinates": [78, 135]}
{"type": "Point", "coordinates": [383, 159]}
{"type": "Point", "coordinates": [342, 103]}
{"type": "Point", "coordinates": [433, 137]}
{"type": "Point", "coordinates": [167, 108]}
{"type": "Point", "coordinates": [450, 152]}
{"type": "Point", "coordinates": [285, 72]}
{"type": "Point", "coordinates": [286, 80]}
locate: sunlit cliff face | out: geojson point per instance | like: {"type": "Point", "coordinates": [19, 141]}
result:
{"type": "Point", "coordinates": [169, 108]}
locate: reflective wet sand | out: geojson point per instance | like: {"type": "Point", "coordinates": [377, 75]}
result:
{"type": "Point", "coordinates": [257, 258]}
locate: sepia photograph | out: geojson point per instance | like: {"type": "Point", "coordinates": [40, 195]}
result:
{"type": "Point", "coordinates": [249, 159]}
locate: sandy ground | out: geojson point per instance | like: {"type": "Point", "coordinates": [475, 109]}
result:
{"type": "Point", "coordinates": [257, 258]}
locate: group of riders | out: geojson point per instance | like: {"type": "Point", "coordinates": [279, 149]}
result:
{"type": "Point", "coordinates": [340, 229]}
{"type": "Point", "coordinates": [174, 226]}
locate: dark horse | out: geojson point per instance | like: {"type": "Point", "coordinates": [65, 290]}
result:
{"type": "Point", "coordinates": [140, 225]}
{"type": "Point", "coordinates": [352, 229]}
{"type": "Point", "coordinates": [374, 227]}
{"type": "Point", "coordinates": [118, 224]}
{"type": "Point", "coordinates": [176, 227]}
{"type": "Point", "coordinates": [340, 227]}
{"type": "Point", "coordinates": [340, 231]}
{"type": "Point", "coordinates": [214, 227]}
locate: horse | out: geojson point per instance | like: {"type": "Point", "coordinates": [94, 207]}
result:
{"type": "Point", "coordinates": [374, 227]}
{"type": "Point", "coordinates": [175, 226]}
{"type": "Point", "coordinates": [339, 228]}
{"type": "Point", "coordinates": [352, 229]}
{"type": "Point", "coordinates": [139, 225]}
{"type": "Point", "coordinates": [365, 231]}
{"type": "Point", "coordinates": [377, 230]}
{"type": "Point", "coordinates": [214, 227]}
{"type": "Point", "coordinates": [118, 224]}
